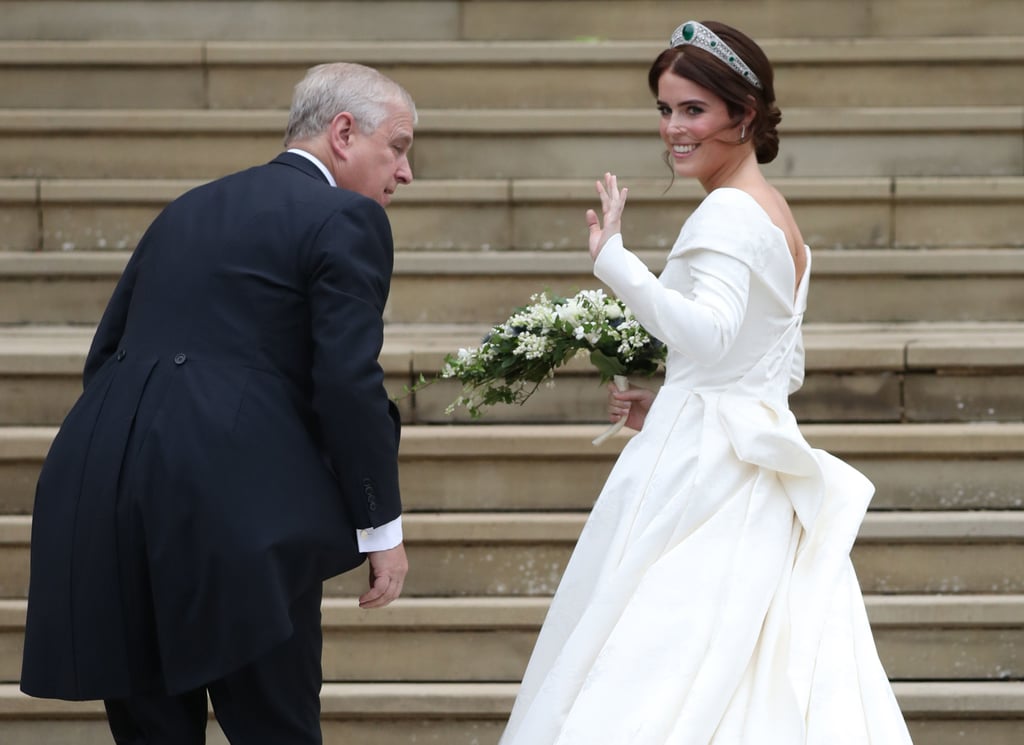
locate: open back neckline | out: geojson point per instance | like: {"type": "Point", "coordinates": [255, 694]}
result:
{"type": "Point", "coordinates": [798, 282]}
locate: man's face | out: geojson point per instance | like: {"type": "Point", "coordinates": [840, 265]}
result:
{"type": "Point", "coordinates": [378, 161]}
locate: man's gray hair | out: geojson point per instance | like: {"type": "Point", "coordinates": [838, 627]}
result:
{"type": "Point", "coordinates": [327, 90]}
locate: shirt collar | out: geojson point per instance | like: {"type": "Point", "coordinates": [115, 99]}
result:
{"type": "Point", "coordinates": [315, 161]}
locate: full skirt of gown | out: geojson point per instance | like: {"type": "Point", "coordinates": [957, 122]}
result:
{"type": "Point", "coordinates": [698, 609]}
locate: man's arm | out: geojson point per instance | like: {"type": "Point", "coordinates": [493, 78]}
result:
{"type": "Point", "coordinates": [350, 281]}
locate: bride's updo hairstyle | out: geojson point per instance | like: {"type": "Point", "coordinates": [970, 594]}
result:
{"type": "Point", "coordinates": [744, 83]}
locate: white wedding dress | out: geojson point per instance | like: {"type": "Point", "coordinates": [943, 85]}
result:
{"type": "Point", "coordinates": [711, 598]}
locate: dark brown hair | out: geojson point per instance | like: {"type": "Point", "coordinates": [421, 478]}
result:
{"type": "Point", "coordinates": [707, 71]}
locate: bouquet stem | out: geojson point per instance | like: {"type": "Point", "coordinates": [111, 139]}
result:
{"type": "Point", "coordinates": [622, 383]}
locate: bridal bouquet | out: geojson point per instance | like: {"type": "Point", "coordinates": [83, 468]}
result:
{"type": "Point", "coordinates": [524, 351]}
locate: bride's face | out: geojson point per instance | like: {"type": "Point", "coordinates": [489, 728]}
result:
{"type": "Point", "coordinates": [696, 128]}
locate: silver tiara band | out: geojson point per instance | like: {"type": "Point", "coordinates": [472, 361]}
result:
{"type": "Point", "coordinates": [698, 35]}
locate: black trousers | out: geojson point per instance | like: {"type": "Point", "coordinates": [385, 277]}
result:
{"type": "Point", "coordinates": [274, 700]}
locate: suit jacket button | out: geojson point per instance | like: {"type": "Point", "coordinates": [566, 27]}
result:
{"type": "Point", "coordinates": [120, 354]}
{"type": "Point", "coordinates": [179, 358]}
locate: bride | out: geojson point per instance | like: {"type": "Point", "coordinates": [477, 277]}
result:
{"type": "Point", "coordinates": [711, 597]}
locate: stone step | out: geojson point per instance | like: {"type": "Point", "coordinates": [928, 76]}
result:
{"type": "Point", "coordinates": [514, 143]}
{"type": "Point", "coordinates": [911, 372]}
{"type": "Point", "coordinates": [484, 287]}
{"type": "Point", "coordinates": [938, 713]}
{"type": "Point", "coordinates": [926, 467]}
{"type": "Point", "coordinates": [971, 71]}
{"type": "Point", "coordinates": [539, 215]}
{"type": "Point", "coordinates": [394, 20]}
{"type": "Point", "coordinates": [500, 554]}
{"type": "Point", "coordinates": [919, 637]}
{"type": "Point", "coordinates": [532, 214]}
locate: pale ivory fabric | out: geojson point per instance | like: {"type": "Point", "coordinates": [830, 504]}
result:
{"type": "Point", "coordinates": [711, 597]}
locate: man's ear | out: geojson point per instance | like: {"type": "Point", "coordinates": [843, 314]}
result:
{"type": "Point", "coordinates": [340, 132]}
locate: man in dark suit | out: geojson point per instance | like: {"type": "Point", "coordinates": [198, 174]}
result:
{"type": "Point", "coordinates": [234, 445]}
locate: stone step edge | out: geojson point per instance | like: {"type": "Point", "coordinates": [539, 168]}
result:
{"type": "Point", "coordinates": [782, 51]}
{"type": "Point", "coordinates": [570, 122]}
{"type": "Point", "coordinates": [500, 528]}
{"type": "Point", "coordinates": [517, 441]}
{"type": "Point", "coordinates": [1003, 699]}
{"type": "Point", "coordinates": [504, 613]}
{"type": "Point", "coordinates": [879, 262]}
{"type": "Point", "coordinates": [412, 349]}
{"type": "Point", "coordinates": [159, 191]}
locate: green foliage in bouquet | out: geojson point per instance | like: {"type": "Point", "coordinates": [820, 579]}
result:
{"type": "Point", "coordinates": [524, 351]}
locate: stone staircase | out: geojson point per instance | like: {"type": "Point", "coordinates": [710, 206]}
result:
{"type": "Point", "coordinates": [903, 158]}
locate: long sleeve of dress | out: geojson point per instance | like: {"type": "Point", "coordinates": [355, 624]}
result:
{"type": "Point", "coordinates": [703, 323]}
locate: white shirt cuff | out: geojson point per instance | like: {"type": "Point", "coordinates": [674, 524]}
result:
{"type": "Point", "coordinates": [380, 538]}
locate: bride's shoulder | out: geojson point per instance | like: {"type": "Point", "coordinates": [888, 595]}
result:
{"type": "Point", "coordinates": [728, 221]}
{"type": "Point", "coordinates": [728, 203]}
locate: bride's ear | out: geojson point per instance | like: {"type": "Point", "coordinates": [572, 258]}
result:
{"type": "Point", "coordinates": [749, 114]}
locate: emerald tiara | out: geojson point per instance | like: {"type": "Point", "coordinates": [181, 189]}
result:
{"type": "Point", "coordinates": [700, 36]}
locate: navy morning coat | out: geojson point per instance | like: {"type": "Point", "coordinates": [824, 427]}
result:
{"type": "Point", "coordinates": [233, 435]}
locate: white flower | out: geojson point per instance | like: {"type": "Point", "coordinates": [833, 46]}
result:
{"type": "Point", "coordinates": [570, 312]}
{"type": "Point", "coordinates": [531, 346]}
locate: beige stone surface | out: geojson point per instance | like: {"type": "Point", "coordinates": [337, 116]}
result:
{"type": "Point", "coordinates": [481, 555]}
{"type": "Point", "coordinates": [219, 74]}
{"type": "Point", "coordinates": [849, 397]}
{"type": "Point", "coordinates": [545, 215]}
{"type": "Point", "coordinates": [944, 482]}
{"type": "Point", "coordinates": [890, 138]}
{"type": "Point", "coordinates": [655, 19]}
{"type": "Point", "coordinates": [867, 298]}
{"type": "Point", "coordinates": [939, 567]}
{"type": "Point", "coordinates": [944, 18]}
{"type": "Point", "coordinates": [935, 654]}
{"type": "Point", "coordinates": [37, 399]}
{"type": "Point", "coordinates": [455, 144]}
{"type": "Point", "coordinates": [449, 225]}
{"type": "Point", "coordinates": [456, 473]}
{"type": "Point", "coordinates": [476, 730]}
{"type": "Point", "coordinates": [168, 155]}
{"type": "Point", "coordinates": [43, 300]}
{"type": "Point", "coordinates": [136, 20]}
{"type": "Point", "coordinates": [404, 644]}
{"type": "Point", "coordinates": [71, 86]}
{"type": "Point", "coordinates": [954, 396]}
{"type": "Point", "coordinates": [99, 227]}
{"type": "Point", "coordinates": [965, 223]}
{"type": "Point", "coordinates": [19, 222]}
{"type": "Point", "coordinates": [899, 83]}
{"type": "Point", "coordinates": [637, 154]}
{"type": "Point", "coordinates": [18, 485]}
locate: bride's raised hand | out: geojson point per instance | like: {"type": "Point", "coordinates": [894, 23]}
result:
{"type": "Point", "coordinates": [613, 201]}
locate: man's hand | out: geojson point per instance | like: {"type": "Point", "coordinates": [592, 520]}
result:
{"type": "Point", "coordinates": [387, 575]}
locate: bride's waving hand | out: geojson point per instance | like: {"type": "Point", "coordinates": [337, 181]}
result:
{"type": "Point", "coordinates": [613, 201]}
